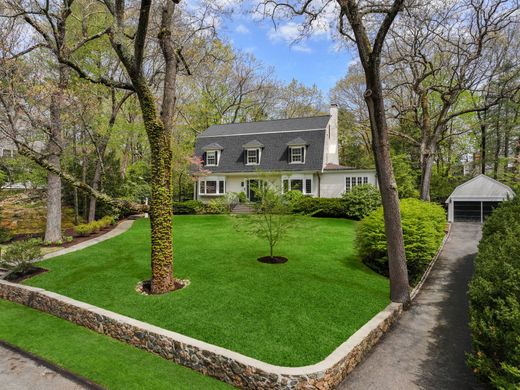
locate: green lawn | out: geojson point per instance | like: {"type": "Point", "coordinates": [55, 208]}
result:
{"type": "Point", "coordinates": [289, 314]}
{"type": "Point", "coordinates": [103, 360]}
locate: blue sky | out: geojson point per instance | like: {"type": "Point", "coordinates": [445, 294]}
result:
{"type": "Point", "coordinates": [312, 60]}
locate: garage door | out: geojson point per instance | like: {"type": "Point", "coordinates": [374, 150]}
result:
{"type": "Point", "coordinates": [471, 211]}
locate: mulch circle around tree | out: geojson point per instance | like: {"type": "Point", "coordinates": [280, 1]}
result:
{"type": "Point", "coordinates": [272, 260]}
{"type": "Point", "coordinates": [18, 277]}
{"type": "Point", "coordinates": [145, 286]}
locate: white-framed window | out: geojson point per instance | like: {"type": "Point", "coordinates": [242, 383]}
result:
{"type": "Point", "coordinates": [212, 186]}
{"type": "Point", "coordinates": [252, 156]}
{"type": "Point", "coordinates": [297, 155]}
{"type": "Point", "coordinates": [302, 183]}
{"type": "Point", "coordinates": [352, 181]}
{"type": "Point", "coordinates": [212, 157]}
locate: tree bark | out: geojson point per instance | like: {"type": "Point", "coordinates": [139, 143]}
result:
{"type": "Point", "coordinates": [428, 153]}
{"type": "Point", "coordinates": [54, 149]}
{"type": "Point", "coordinates": [96, 180]}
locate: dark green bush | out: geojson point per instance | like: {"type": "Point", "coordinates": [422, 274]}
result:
{"type": "Point", "coordinates": [321, 207]}
{"type": "Point", "coordinates": [5, 234]}
{"type": "Point", "coordinates": [494, 295]}
{"type": "Point", "coordinates": [423, 229]}
{"type": "Point", "coordinates": [187, 207]}
{"type": "Point", "coordinates": [361, 201]}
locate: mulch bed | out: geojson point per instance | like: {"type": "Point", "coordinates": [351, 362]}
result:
{"type": "Point", "coordinates": [20, 277]}
{"type": "Point", "coordinates": [145, 286]}
{"type": "Point", "coordinates": [272, 260]}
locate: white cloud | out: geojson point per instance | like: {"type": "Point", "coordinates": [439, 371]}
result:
{"type": "Point", "coordinates": [288, 33]}
{"type": "Point", "coordinates": [301, 48]}
{"type": "Point", "coordinates": [241, 29]}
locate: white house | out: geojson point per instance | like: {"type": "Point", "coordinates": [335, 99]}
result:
{"type": "Point", "coordinates": [475, 199]}
{"type": "Point", "coordinates": [299, 154]}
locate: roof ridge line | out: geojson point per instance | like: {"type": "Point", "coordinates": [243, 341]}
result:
{"type": "Point", "coordinates": [270, 120]}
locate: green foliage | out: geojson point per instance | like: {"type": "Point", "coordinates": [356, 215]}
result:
{"type": "Point", "coordinates": [293, 197]}
{"type": "Point", "coordinates": [423, 229]}
{"type": "Point", "coordinates": [216, 206]}
{"type": "Point", "coordinates": [5, 234]}
{"type": "Point", "coordinates": [83, 230]}
{"type": "Point", "coordinates": [18, 256]}
{"type": "Point", "coordinates": [242, 198]}
{"type": "Point", "coordinates": [405, 176]}
{"type": "Point", "coordinates": [187, 207]}
{"type": "Point", "coordinates": [321, 207]}
{"type": "Point", "coordinates": [272, 219]}
{"type": "Point", "coordinates": [361, 200]}
{"type": "Point", "coordinates": [3, 177]}
{"type": "Point", "coordinates": [494, 295]}
{"type": "Point", "coordinates": [442, 186]}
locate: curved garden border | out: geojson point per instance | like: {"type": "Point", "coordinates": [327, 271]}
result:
{"type": "Point", "coordinates": [229, 366]}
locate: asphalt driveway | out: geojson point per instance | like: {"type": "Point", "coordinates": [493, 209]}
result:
{"type": "Point", "coordinates": [427, 348]}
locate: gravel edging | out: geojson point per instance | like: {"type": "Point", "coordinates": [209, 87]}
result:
{"type": "Point", "coordinates": [229, 366]}
{"type": "Point", "coordinates": [78, 379]}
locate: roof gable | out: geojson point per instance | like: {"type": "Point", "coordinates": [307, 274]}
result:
{"type": "Point", "coordinates": [482, 187]}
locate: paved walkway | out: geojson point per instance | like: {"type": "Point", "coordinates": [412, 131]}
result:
{"type": "Point", "coordinates": [426, 348]}
{"type": "Point", "coordinates": [119, 229]}
{"type": "Point", "coordinates": [18, 372]}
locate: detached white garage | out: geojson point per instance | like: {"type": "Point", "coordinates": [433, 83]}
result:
{"type": "Point", "coordinates": [475, 199]}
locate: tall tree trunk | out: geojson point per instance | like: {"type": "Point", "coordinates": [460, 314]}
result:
{"type": "Point", "coordinates": [398, 273]}
{"type": "Point", "coordinates": [96, 180]}
{"type": "Point", "coordinates": [498, 144]}
{"type": "Point", "coordinates": [428, 152]}
{"type": "Point", "coordinates": [53, 224]}
{"type": "Point", "coordinates": [483, 146]}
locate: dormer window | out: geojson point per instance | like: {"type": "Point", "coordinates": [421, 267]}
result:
{"type": "Point", "coordinates": [252, 152]}
{"type": "Point", "coordinates": [212, 158]}
{"type": "Point", "coordinates": [212, 154]}
{"type": "Point", "coordinates": [297, 154]}
{"type": "Point", "coordinates": [297, 149]}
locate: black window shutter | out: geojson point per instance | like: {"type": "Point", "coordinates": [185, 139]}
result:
{"type": "Point", "coordinates": [303, 154]}
{"type": "Point", "coordinates": [308, 186]}
{"type": "Point", "coordinates": [258, 156]}
{"type": "Point", "coordinates": [221, 187]}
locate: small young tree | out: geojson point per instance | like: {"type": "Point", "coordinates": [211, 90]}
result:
{"type": "Point", "coordinates": [19, 256]}
{"type": "Point", "coordinates": [271, 221]}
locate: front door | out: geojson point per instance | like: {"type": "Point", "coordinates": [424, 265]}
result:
{"type": "Point", "coordinates": [252, 189]}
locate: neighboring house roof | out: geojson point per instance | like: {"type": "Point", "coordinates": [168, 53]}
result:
{"type": "Point", "coordinates": [272, 126]}
{"type": "Point", "coordinates": [299, 141]}
{"type": "Point", "coordinates": [273, 137]}
{"type": "Point", "coordinates": [213, 146]}
{"type": "Point", "coordinates": [481, 187]}
{"type": "Point", "coordinates": [253, 144]}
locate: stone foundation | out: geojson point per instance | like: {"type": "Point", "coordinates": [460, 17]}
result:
{"type": "Point", "coordinates": [231, 367]}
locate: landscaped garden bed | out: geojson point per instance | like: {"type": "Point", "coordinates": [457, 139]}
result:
{"type": "Point", "coordinates": [294, 314]}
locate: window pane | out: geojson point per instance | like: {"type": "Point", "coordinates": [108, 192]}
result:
{"type": "Point", "coordinates": [308, 186]}
{"type": "Point", "coordinates": [296, 154]}
{"type": "Point", "coordinates": [252, 156]}
{"type": "Point", "coordinates": [211, 187]}
{"type": "Point", "coordinates": [202, 187]}
{"type": "Point", "coordinates": [365, 180]}
{"type": "Point", "coordinates": [353, 182]}
{"type": "Point", "coordinates": [359, 181]}
{"type": "Point", "coordinates": [297, 185]}
{"type": "Point", "coordinates": [211, 158]}
{"type": "Point", "coordinates": [221, 187]}
{"type": "Point", "coordinates": [347, 183]}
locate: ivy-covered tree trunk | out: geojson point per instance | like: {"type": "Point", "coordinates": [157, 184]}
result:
{"type": "Point", "coordinates": [161, 206]}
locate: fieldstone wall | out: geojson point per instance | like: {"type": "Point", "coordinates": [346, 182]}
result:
{"type": "Point", "coordinates": [228, 366]}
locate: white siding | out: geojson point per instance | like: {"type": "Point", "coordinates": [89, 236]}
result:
{"type": "Point", "coordinates": [333, 183]}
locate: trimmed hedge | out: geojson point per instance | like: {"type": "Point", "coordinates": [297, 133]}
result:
{"type": "Point", "coordinates": [321, 207]}
{"type": "Point", "coordinates": [361, 201]}
{"type": "Point", "coordinates": [187, 207]}
{"type": "Point", "coordinates": [423, 229]}
{"type": "Point", "coordinates": [494, 295]}
{"type": "Point", "coordinates": [86, 229]}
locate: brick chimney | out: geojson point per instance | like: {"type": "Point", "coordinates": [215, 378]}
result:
{"type": "Point", "coordinates": [331, 137]}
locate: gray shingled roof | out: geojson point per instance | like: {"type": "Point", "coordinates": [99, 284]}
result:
{"type": "Point", "coordinates": [280, 125]}
{"type": "Point", "coordinates": [481, 187]}
{"type": "Point", "coordinates": [253, 144]}
{"type": "Point", "coordinates": [298, 141]}
{"type": "Point", "coordinates": [213, 146]}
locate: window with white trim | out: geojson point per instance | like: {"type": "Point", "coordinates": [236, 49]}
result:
{"type": "Point", "coordinates": [212, 186]}
{"type": "Point", "coordinates": [212, 158]}
{"type": "Point", "coordinates": [297, 155]}
{"type": "Point", "coordinates": [298, 183]}
{"type": "Point", "coordinates": [252, 156]}
{"type": "Point", "coordinates": [351, 182]}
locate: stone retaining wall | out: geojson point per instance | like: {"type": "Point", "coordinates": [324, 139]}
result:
{"type": "Point", "coordinates": [228, 366]}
